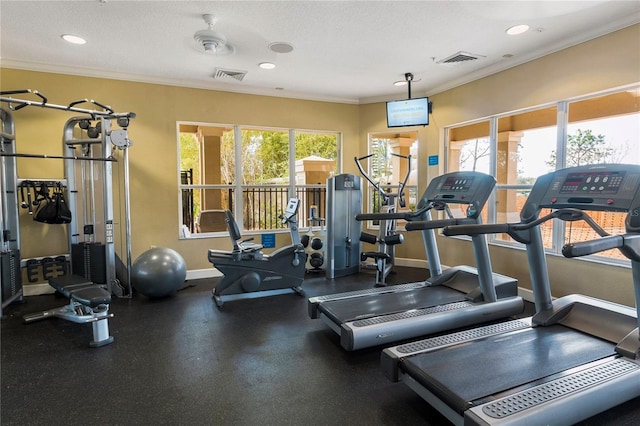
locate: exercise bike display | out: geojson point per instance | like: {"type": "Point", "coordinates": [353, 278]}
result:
{"type": "Point", "coordinates": [387, 238]}
{"type": "Point", "coordinates": [247, 269]}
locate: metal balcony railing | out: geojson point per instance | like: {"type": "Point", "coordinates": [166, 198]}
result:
{"type": "Point", "coordinates": [262, 205]}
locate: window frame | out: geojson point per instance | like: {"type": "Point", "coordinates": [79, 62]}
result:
{"type": "Point", "coordinates": [562, 125]}
{"type": "Point", "coordinates": [292, 188]}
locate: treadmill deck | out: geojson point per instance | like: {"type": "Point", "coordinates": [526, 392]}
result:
{"type": "Point", "coordinates": [345, 310]}
{"type": "Point", "coordinates": [464, 373]}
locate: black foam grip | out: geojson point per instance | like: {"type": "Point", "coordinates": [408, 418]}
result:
{"type": "Point", "coordinates": [435, 224]}
{"type": "Point", "coordinates": [489, 228]}
{"type": "Point", "coordinates": [368, 238]}
{"type": "Point", "coordinates": [382, 216]}
{"type": "Point", "coordinates": [594, 246]}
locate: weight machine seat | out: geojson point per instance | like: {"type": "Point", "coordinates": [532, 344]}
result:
{"type": "Point", "coordinates": [81, 290]}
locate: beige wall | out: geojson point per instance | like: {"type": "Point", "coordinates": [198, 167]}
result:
{"type": "Point", "coordinates": [153, 158]}
{"type": "Point", "coordinates": [600, 64]}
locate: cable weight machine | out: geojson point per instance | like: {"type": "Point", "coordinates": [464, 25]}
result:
{"type": "Point", "coordinates": [91, 198]}
{"type": "Point", "coordinates": [92, 146]}
{"type": "Point", "coordinates": [10, 275]}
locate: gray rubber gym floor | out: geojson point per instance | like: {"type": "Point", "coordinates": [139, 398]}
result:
{"type": "Point", "coordinates": [182, 361]}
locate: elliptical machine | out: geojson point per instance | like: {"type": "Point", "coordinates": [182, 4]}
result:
{"type": "Point", "coordinates": [247, 269]}
{"type": "Point", "coordinates": [387, 238]}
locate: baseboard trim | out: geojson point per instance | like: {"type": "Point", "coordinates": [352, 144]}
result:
{"type": "Point", "coordinates": [196, 274]}
{"type": "Point", "coordinates": [412, 263]}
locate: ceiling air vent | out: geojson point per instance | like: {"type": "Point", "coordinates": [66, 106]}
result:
{"type": "Point", "coordinates": [223, 74]}
{"type": "Point", "coordinates": [459, 57]}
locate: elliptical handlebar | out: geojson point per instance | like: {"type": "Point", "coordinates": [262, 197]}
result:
{"type": "Point", "coordinates": [378, 187]}
{"type": "Point", "coordinates": [366, 176]}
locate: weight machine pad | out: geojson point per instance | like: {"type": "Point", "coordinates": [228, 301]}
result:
{"type": "Point", "coordinates": [81, 290]}
{"type": "Point", "coordinates": [375, 255]}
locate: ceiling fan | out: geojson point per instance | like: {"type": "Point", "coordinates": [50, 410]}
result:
{"type": "Point", "coordinates": [212, 41]}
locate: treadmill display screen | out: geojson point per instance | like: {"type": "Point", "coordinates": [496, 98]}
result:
{"type": "Point", "coordinates": [457, 184]}
{"type": "Point", "coordinates": [592, 182]}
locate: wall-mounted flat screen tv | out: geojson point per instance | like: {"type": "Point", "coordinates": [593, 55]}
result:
{"type": "Point", "coordinates": [408, 112]}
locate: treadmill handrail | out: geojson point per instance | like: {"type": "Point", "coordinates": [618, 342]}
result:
{"type": "Point", "coordinates": [438, 223]}
{"type": "Point", "coordinates": [629, 245]}
{"type": "Point", "coordinates": [565, 214]}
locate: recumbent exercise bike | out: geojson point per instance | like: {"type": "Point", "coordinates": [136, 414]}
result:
{"type": "Point", "coordinates": [247, 269]}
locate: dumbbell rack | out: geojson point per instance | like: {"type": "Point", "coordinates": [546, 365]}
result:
{"type": "Point", "coordinates": [322, 236]}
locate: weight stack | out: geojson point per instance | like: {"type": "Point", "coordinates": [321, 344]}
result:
{"type": "Point", "coordinates": [10, 274]}
{"type": "Point", "coordinates": [88, 260]}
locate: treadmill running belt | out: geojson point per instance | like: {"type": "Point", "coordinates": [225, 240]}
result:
{"type": "Point", "coordinates": [463, 373]}
{"type": "Point", "coordinates": [341, 311]}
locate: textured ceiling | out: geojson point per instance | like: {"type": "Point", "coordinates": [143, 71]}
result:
{"type": "Point", "coordinates": [344, 51]}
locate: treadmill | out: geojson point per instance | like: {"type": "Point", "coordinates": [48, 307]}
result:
{"type": "Point", "coordinates": [576, 357]}
{"type": "Point", "coordinates": [458, 297]}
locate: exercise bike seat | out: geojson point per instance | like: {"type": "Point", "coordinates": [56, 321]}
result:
{"type": "Point", "coordinates": [81, 290]}
{"type": "Point", "coordinates": [246, 246]}
{"type": "Point", "coordinates": [239, 245]}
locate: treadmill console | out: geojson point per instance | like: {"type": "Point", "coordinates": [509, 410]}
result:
{"type": "Point", "coordinates": [457, 184]}
{"type": "Point", "coordinates": [461, 187]}
{"type": "Point", "coordinates": [592, 183]}
{"type": "Point", "coordinates": [603, 187]}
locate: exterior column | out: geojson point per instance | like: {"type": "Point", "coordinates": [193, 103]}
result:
{"type": "Point", "coordinates": [507, 174]}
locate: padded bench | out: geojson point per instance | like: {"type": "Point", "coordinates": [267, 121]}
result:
{"type": "Point", "coordinates": [88, 303]}
{"type": "Point", "coordinates": [81, 290]}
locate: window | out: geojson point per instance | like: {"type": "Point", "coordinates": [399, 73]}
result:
{"type": "Point", "coordinates": [252, 172]}
{"type": "Point", "coordinates": [316, 159]}
{"type": "Point", "coordinates": [524, 143]}
{"type": "Point", "coordinates": [519, 147]}
{"type": "Point", "coordinates": [603, 129]}
{"type": "Point", "coordinates": [469, 150]}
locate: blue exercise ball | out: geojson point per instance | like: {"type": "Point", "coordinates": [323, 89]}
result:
{"type": "Point", "coordinates": [158, 272]}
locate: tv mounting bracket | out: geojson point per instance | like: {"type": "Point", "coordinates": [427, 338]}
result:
{"type": "Point", "coordinates": [409, 78]}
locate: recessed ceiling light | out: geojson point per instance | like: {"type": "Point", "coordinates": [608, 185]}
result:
{"type": "Point", "coordinates": [73, 39]}
{"type": "Point", "coordinates": [280, 47]}
{"type": "Point", "coordinates": [267, 65]}
{"type": "Point", "coordinates": [517, 29]}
